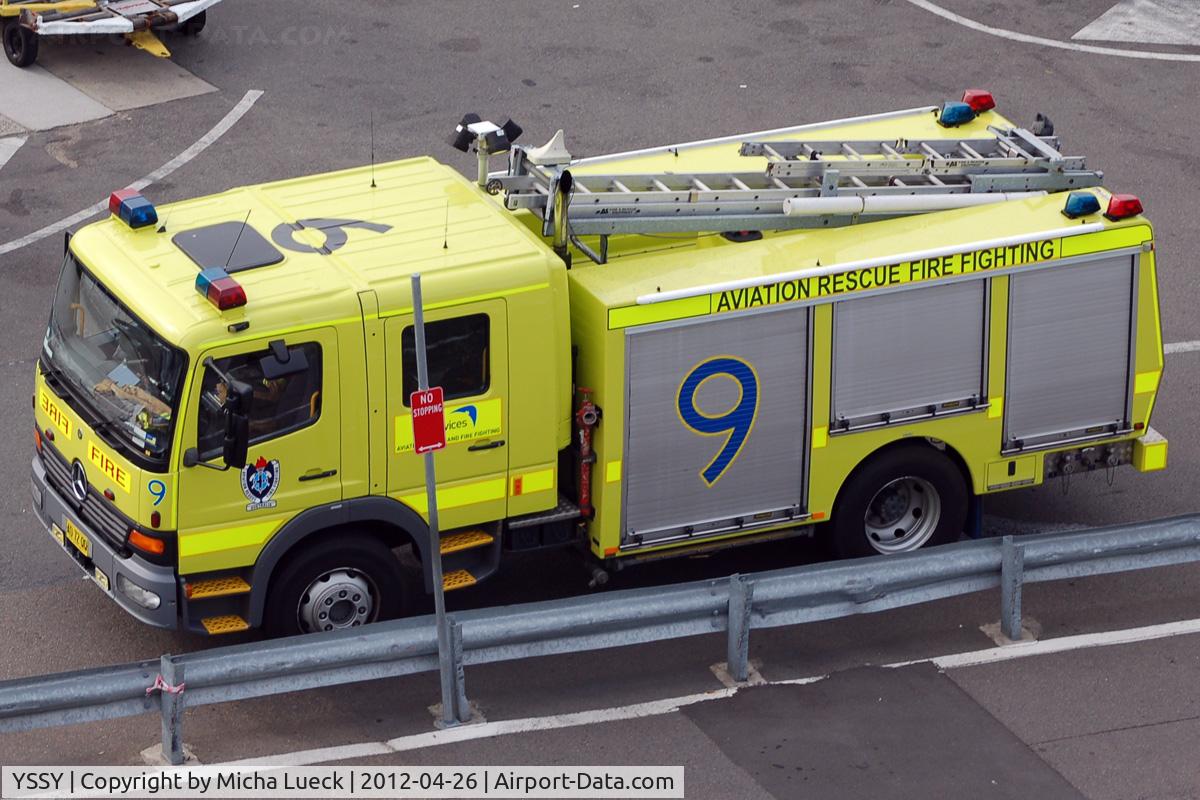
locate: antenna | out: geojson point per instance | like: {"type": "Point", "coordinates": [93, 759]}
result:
{"type": "Point", "coordinates": [372, 148]}
{"type": "Point", "coordinates": [446, 230]}
{"type": "Point", "coordinates": [241, 230]}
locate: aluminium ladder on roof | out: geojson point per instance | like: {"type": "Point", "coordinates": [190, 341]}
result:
{"type": "Point", "coordinates": [1011, 160]}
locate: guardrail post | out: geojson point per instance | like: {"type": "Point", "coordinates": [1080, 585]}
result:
{"type": "Point", "coordinates": [171, 706]}
{"type": "Point", "coordinates": [462, 706]}
{"type": "Point", "coordinates": [1012, 577]}
{"type": "Point", "coordinates": [737, 656]}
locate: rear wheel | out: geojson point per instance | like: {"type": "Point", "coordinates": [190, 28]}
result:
{"type": "Point", "coordinates": [20, 44]}
{"type": "Point", "coordinates": [337, 582]}
{"type": "Point", "coordinates": [900, 501]}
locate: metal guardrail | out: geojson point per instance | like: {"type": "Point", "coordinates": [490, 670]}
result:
{"type": "Point", "coordinates": [736, 605]}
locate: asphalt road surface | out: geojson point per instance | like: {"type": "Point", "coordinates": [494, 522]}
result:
{"type": "Point", "coordinates": [1108, 722]}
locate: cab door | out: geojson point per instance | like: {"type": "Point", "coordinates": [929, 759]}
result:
{"type": "Point", "coordinates": [294, 460]}
{"type": "Point", "coordinates": [468, 357]}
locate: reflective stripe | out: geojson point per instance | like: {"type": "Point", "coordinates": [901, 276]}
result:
{"type": "Point", "coordinates": [457, 496]}
{"type": "Point", "coordinates": [531, 482]}
{"type": "Point", "coordinates": [660, 312]}
{"type": "Point", "coordinates": [613, 471]}
{"type": "Point", "coordinates": [1146, 382]}
{"type": "Point", "coordinates": [820, 436]}
{"type": "Point", "coordinates": [1111, 239]}
{"type": "Point", "coordinates": [995, 407]}
{"type": "Point", "coordinates": [464, 300]}
{"type": "Point", "coordinates": [225, 548]}
{"type": "Point", "coordinates": [194, 544]}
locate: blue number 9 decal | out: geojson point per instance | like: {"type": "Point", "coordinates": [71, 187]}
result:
{"type": "Point", "coordinates": [157, 489]}
{"type": "Point", "coordinates": [737, 422]}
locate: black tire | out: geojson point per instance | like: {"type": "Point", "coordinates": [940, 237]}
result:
{"type": "Point", "coordinates": [348, 557]}
{"type": "Point", "coordinates": [20, 44]}
{"type": "Point", "coordinates": [194, 25]}
{"type": "Point", "coordinates": [891, 494]}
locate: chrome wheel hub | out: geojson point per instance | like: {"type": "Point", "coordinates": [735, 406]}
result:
{"type": "Point", "coordinates": [903, 515]}
{"type": "Point", "coordinates": [340, 598]}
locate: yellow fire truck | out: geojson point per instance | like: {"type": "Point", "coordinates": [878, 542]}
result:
{"type": "Point", "coordinates": [869, 322]}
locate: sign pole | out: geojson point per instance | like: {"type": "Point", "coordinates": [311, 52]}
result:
{"type": "Point", "coordinates": [445, 663]}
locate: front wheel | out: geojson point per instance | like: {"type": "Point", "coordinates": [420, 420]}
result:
{"type": "Point", "coordinates": [900, 501]}
{"type": "Point", "coordinates": [340, 581]}
{"type": "Point", "coordinates": [20, 44]}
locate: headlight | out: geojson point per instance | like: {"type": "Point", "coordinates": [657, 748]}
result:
{"type": "Point", "coordinates": [143, 597]}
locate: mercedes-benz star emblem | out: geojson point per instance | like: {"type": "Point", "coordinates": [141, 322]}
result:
{"type": "Point", "coordinates": [79, 482]}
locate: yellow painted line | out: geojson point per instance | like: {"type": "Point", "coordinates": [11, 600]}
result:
{"type": "Point", "coordinates": [820, 436]}
{"type": "Point", "coordinates": [1112, 239]}
{"type": "Point", "coordinates": [1146, 382]}
{"type": "Point", "coordinates": [995, 407]}
{"type": "Point", "coordinates": [659, 312]}
{"type": "Point", "coordinates": [458, 496]}
{"type": "Point", "coordinates": [612, 472]}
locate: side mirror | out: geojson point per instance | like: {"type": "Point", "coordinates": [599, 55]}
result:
{"type": "Point", "coordinates": [237, 424]}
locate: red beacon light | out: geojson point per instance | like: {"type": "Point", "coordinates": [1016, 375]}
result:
{"type": "Point", "coordinates": [979, 100]}
{"type": "Point", "coordinates": [220, 289]}
{"type": "Point", "coordinates": [130, 207]}
{"type": "Point", "coordinates": [1122, 206]}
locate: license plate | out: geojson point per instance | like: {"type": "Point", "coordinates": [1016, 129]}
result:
{"type": "Point", "coordinates": [101, 579]}
{"type": "Point", "coordinates": [57, 533]}
{"type": "Point", "coordinates": [76, 537]}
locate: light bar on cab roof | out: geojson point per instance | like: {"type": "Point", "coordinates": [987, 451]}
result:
{"type": "Point", "coordinates": [220, 289]}
{"type": "Point", "coordinates": [131, 208]}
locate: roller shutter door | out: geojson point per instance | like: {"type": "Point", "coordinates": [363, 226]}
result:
{"type": "Point", "coordinates": [682, 482]}
{"type": "Point", "coordinates": [908, 354]}
{"type": "Point", "coordinates": [1069, 352]}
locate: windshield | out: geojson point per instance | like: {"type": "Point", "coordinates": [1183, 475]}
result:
{"type": "Point", "coordinates": [128, 377]}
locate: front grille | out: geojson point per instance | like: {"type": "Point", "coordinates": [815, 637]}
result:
{"type": "Point", "coordinates": [99, 514]}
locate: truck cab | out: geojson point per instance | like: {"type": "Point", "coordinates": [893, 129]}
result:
{"type": "Point", "coordinates": [222, 395]}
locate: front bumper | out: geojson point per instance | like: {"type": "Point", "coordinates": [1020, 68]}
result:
{"type": "Point", "coordinates": [54, 510]}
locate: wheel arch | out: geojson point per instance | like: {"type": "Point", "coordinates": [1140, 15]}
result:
{"type": "Point", "coordinates": [932, 443]}
{"type": "Point", "coordinates": [394, 523]}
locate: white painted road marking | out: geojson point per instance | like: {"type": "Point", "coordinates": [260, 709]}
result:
{"type": "Point", "coordinates": [1026, 38]}
{"type": "Point", "coordinates": [670, 705]}
{"type": "Point", "coordinates": [1147, 22]}
{"type": "Point", "coordinates": [200, 145]}
{"type": "Point", "coordinates": [1181, 347]}
{"type": "Point", "coordinates": [9, 148]}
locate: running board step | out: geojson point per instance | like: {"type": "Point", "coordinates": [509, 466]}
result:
{"type": "Point", "coordinates": [230, 623]}
{"type": "Point", "coordinates": [459, 579]}
{"type": "Point", "coordinates": [216, 587]}
{"type": "Point", "coordinates": [466, 540]}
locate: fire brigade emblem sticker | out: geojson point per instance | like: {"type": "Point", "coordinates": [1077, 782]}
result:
{"type": "Point", "coordinates": [259, 482]}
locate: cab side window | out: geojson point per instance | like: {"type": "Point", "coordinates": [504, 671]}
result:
{"type": "Point", "coordinates": [457, 353]}
{"type": "Point", "coordinates": [281, 405]}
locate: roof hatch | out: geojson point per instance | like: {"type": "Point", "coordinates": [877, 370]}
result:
{"type": "Point", "coordinates": [233, 246]}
